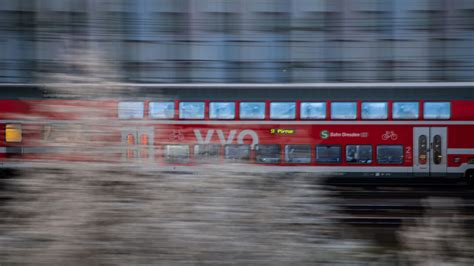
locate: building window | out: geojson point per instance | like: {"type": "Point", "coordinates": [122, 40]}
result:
{"type": "Point", "coordinates": [237, 152]}
{"type": "Point", "coordinates": [405, 110]}
{"type": "Point", "coordinates": [328, 153]}
{"type": "Point", "coordinates": [343, 110]}
{"type": "Point", "coordinates": [283, 110]}
{"type": "Point", "coordinates": [222, 110]}
{"type": "Point", "coordinates": [437, 110]}
{"type": "Point", "coordinates": [162, 110]}
{"type": "Point", "coordinates": [378, 110]}
{"type": "Point", "coordinates": [313, 110]}
{"type": "Point", "coordinates": [130, 110]}
{"type": "Point", "coordinates": [298, 153]}
{"type": "Point", "coordinates": [389, 154]}
{"type": "Point", "coordinates": [268, 153]}
{"type": "Point", "coordinates": [252, 110]}
{"type": "Point", "coordinates": [359, 154]}
{"type": "Point", "coordinates": [191, 110]}
{"type": "Point", "coordinates": [206, 152]}
{"type": "Point", "coordinates": [176, 153]}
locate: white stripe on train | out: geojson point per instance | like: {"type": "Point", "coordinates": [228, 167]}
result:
{"type": "Point", "coordinates": [322, 170]}
{"type": "Point", "coordinates": [251, 122]}
{"type": "Point", "coordinates": [457, 151]}
{"type": "Point", "coordinates": [461, 151]}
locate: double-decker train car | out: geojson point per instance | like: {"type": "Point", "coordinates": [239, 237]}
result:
{"type": "Point", "coordinates": [376, 130]}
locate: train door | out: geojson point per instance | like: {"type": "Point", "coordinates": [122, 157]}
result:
{"type": "Point", "coordinates": [429, 148]}
{"type": "Point", "coordinates": [137, 144]}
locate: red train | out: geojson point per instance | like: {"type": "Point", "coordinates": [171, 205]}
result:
{"type": "Point", "coordinates": [389, 130]}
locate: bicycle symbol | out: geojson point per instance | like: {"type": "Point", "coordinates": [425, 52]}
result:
{"type": "Point", "coordinates": [389, 135]}
{"type": "Point", "coordinates": [176, 135]}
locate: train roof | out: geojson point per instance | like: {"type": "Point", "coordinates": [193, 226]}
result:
{"type": "Point", "coordinates": [251, 91]}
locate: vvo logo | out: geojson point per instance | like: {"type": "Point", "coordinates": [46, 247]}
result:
{"type": "Point", "coordinates": [247, 133]}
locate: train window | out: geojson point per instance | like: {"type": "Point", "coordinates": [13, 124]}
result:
{"type": "Point", "coordinates": [328, 153]}
{"type": "Point", "coordinates": [252, 110]}
{"type": "Point", "coordinates": [390, 154]}
{"type": "Point", "coordinates": [422, 149]}
{"type": "Point", "coordinates": [374, 110]}
{"type": "Point", "coordinates": [176, 153]}
{"type": "Point", "coordinates": [191, 110]}
{"type": "Point", "coordinates": [343, 110]}
{"type": "Point", "coordinates": [268, 153]}
{"type": "Point", "coordinates": [299, 153]}
{"type": "Point", "coordinates": [359, 153]}
{"type": "Point", "coordinates": [437, 153]}
{"type": "Point", "coordinates": [313, 110]}
{"type": "Point", "coordinates": [130, 110]}
{"type": "Point", "coordinates": [437, 110]}
{"type": "Point", "coordinates": [222, 110]}
{"type": "Point", "coordinates": [283, 110]}
{"type": "Point", "coordinates": [237, 152]}
{"type": "Point", "coordinates": [162, 110]}
{"type": "Point", "coordinates": [405, 110]}
{"type": "Point", "coordinates": [207, 151]}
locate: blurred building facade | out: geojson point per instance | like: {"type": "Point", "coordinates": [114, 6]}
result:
{"type": "Point", "coordinates": [241, 40]}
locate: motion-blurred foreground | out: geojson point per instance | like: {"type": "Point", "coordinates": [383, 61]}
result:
{"type": "Point", "coordinates": [119, 214]}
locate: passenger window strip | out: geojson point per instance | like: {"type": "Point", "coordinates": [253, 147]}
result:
{"type": "Point", "coordinates": [298, 153]}
{"type": "Point", "coordinates": [268, 153]}
{"type": "Point", "coordinates": [359, 154]}
{"type": "Point", "coordinates": [390, 154]}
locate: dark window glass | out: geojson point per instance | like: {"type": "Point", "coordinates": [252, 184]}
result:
{"type": "Point", "coordinates": [237, 152]}
{"type": "Point", "coordinates": [359, 154]}
{"type": "Point", "coordinates": [299, 153]}
{"type": "Point", "coordinates": [422, 149]}
{"type": "Point", "coordinates": [390, 154]}
{"type": "Point", "coordinates": [328, 153]}
{"type": "Point", "coordinates": [207, 151]}
{"type": "Point", "coordinates": [268, 153]}
{"type": "Point", "coordinates": [176, 153]}
{"type": "Point", "coordinates": [437, 154]}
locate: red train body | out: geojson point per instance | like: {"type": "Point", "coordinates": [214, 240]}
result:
{"type": "Point", "coordinates": [383, 146]}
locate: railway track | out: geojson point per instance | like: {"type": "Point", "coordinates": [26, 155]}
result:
{"type": "Point", "coordinates": [396, 202]}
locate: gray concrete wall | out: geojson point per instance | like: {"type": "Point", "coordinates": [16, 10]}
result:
{"type": "Point", "coordinates": [240, 40]}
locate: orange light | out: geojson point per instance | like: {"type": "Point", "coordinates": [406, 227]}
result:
{"type": "Point", "coordinates": [130, 139]}
{"type": "Point", "coordinates": [144, 139]}
{"type": "Point", "coordinates": [13, 133]}
{"type": "Point", "coordinates": [144, 142]}
{"type": "Point", "coordinates": [422, 159]}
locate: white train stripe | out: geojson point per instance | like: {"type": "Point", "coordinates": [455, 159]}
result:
{"type": "Point", "coordinates": [251, 122]}
{"type": "Point", "coordinates": [333, 169]}
{"type": "Point", "coordinates": [284, 122]}
{"type": "Point", "coordinates": [273, 169]}
{"type": "Point", "coordinates": [322, 170]}
{"type": "Point", "coordinates": [323, 85]}
{"type": "Point", "coordinates": [461, 151]}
